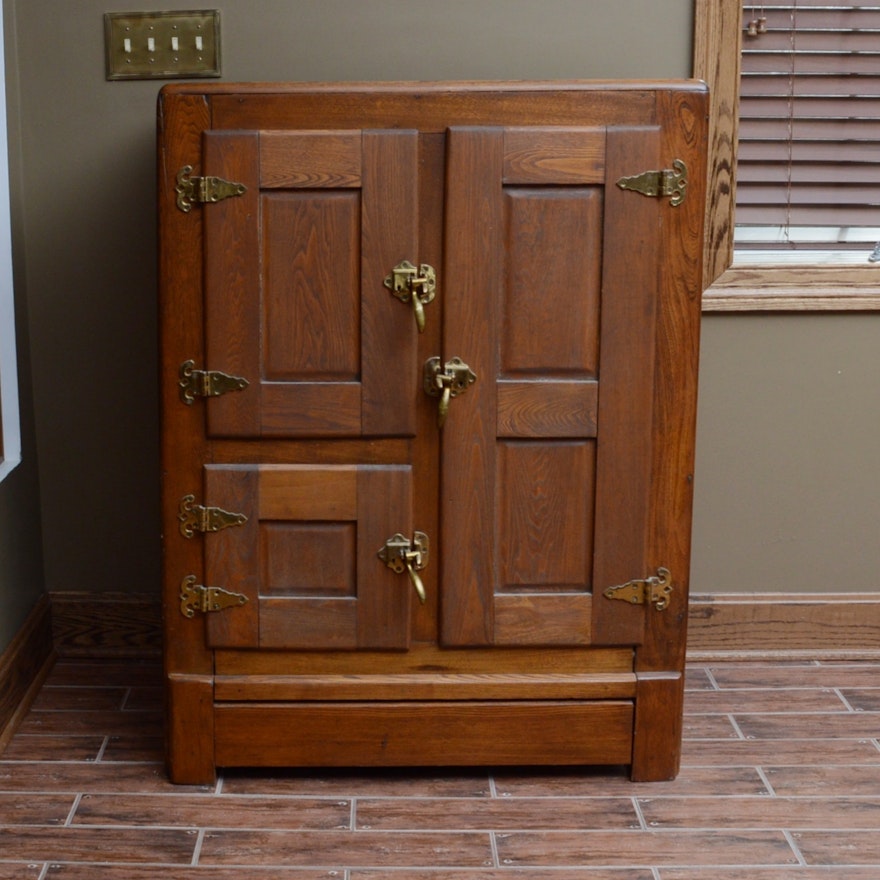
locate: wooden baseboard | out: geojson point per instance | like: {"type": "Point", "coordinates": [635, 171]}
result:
{"type": "Point", "coordinates": [721, 625]}
{"type": "Point", "coordinates": [24, 666]}
{"type": "Point", "coordinates": [821, 626]}
{"type": "Point", "coordinates": [106, 624]}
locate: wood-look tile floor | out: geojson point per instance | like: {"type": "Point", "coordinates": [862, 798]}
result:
{"type": "Point", "coordinates": [780, 781]}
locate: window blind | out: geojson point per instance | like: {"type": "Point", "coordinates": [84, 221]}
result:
{"type": "Point", "coordinates": [808, 158]}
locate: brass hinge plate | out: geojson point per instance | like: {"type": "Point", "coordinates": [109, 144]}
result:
{"type": "Point", "coordinates": [197, 518]}
{"type": "Point", "coordinates": [653, 590]}
{"type": "Point", "coordinates": [669, 183]}
{"type": "Point", "coordinates": [193, 190]}
{"type": "Point", "coordinates": [195, 597]}
{"type": "Point", "coordinates": [206, 383]}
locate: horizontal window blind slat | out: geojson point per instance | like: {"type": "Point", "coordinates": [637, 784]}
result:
{"type": "Point", "coordinates": [810, 129]}
{"type": "Point", "coordinates": [817, 215]}
{"type": "Point", "coordinates": [856, 107]}
{"type": "Point", "coordinates": [841, 195]}
{"type": "Point", "coordinates": [830, 153]}
{"type": "Point", "coordinates": [859, 174]}
{"type": "Point", "coordinates": [755, 85]}
{"type": "Point", "coordinates": [777, 42]}
{"type": "Point", "coordinates": [814, 62]}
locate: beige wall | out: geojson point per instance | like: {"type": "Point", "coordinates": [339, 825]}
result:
{"type": "Point", "coordinates": [788, 454]}
{"type": "Point", "coordinates": [86, 231]}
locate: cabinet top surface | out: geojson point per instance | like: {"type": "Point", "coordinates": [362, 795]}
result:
{"type": "Point", "coordinates": [433, 87]}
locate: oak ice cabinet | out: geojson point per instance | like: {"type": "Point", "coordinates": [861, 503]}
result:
{"type": "Point", "coordinates": [429, 358]}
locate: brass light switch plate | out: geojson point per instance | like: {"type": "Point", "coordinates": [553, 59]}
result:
{"type": "Point", "coordinates": [162, 45]}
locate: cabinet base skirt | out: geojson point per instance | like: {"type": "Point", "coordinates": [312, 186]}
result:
{"type": "Point", "coordinates": [423, 733]}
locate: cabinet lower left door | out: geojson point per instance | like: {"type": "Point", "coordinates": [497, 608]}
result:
{"type": "Point", "coordinates": [306, 559]}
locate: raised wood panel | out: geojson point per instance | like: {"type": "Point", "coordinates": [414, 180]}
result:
{"type": "Point", "coordinates": [545, 516]}
{"type": "Point", "coordinates": [551, 292]}
{"type": "Point", "coordinates": [311, 292]}
{"type": "Point", "coordinates": [399, 734]}
{"type": "Point", "coordinates": [309, 559]}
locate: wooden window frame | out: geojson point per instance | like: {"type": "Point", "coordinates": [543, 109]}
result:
{"type": "Point", "coordinates": [717, 48]}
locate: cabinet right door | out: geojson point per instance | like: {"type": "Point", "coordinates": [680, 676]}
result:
{"type": "Point", "coordinates": [551, 279]}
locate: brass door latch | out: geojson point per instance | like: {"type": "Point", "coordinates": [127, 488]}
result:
{"type": "Point", "coordinates": [415, 285]}
{"type": "Point", "coordinates": [450, 380]}
{"type": "Point", "coordinates": [402, 555]}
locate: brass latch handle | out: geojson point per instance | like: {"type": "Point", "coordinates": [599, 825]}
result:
{"type": "Point", "coordinates": [402, 555]}
{"type": "Point", "coordinates": [447, 381]}
{"type": "Point", "coordinates": [413, 284]}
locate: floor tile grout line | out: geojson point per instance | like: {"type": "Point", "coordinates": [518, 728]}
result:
{"type": "Point", "coordinates": [493, 845]}
{"type": "Point", "coordinates": [762, 773]}
{"type": "Point", "coordinates": [197, 848]}
{"type": "Point", "coordinates": [68, 822]}
{"type": "Point", "coordinates": [737, 729]}
{"type": "Point", "coordinates": [844, 700]}
{"type": "Point", "coordinates": [640, 816]}
{"type": "Point", "coordinates": [712, 680]}
{"type": "Point", "coordinates": [99, 758]}
{"type": "Point", "coordinates": [790, 836]}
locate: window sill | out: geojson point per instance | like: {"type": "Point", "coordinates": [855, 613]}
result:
{"type": "Point", "coordinates": [795, 289]}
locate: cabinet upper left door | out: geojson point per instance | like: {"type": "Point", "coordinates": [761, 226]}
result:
{"type": "Point", "coordinates": [294, 293]}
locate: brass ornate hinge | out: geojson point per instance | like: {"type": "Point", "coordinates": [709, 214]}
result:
{"type": "Point", "coordinates": [654, 590]}
{"type": "Point", "coordinates": [195, 597]}
{"type": "Point", "coordinates": [402, 555]}
{"type": "Point", "coordinates": [193, 190]}
{"type": "Point", "coordinates": [206, 383]}
{"type": "Point", "coordinates": [197, 518]}
{"type": "Point", "coordinates": [670, 182]}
